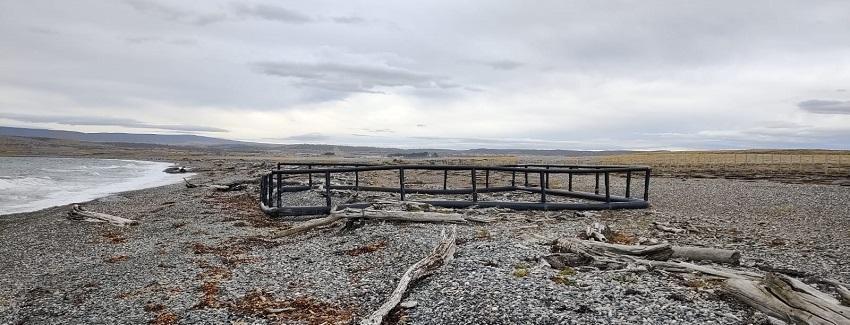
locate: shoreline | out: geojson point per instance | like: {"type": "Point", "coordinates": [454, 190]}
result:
{"type": "Point", "coordinates": [152, 175]}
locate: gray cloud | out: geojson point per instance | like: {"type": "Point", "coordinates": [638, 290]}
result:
{"type": "Point", "coordinates": [175, 14]}
{"type": "Point", "coordinates": [504, 64]}
{"type": "Point", "coordinates": [353, 20]}
{"type": "Point", "coordinates": [271, 12]}
{"type": "Point", "coordinates": [307, 137]}
{"type": "Point", "coordinates": [343, 77]}
{"type": "Point", "coordinates": [105, 121]}
{"type": "Point", "coordinates": [819, 106]}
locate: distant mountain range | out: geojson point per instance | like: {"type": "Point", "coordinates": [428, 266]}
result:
{"type": "Point", "coordinates": [224, 144]}
{"type": "Point", "coordinates": [163, 139]}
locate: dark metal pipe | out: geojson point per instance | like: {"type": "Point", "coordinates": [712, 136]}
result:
{"type": "Point", "coordinates": [445, 178]}
{"type": "Point", "coordinates": [513, 178]}
{"type": "Point", "coordinates": [646, 186]}
{"type": "Point", "coordinates": [607, 189]}
{"type": "Point", "coordinates": [628, 184]}
{"type": "Point", "coordinates": [474, 189]}
{"type": "Point", "coordinates": [596, 187]}
{"type": "Point", "coordinates": [526, 177]}
{"type": "Point", "coordinates": [310, 176]}
{"type": "Point", "coordinates": [401, 182]}
{"type": "Point", "coordinates": [328, 189]}
{"type": "Point", "coordinates": [542, 188]}
{"type": "Point", "coordinates": [279, 183]}
{"type": "Point", "coordinates": [487, 178]}
{"type": "Point", "coordinates": [570, 181]}
{"type": "Point", "coordinates": [356, 180]}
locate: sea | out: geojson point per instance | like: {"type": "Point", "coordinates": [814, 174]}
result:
{"type": "Point", "coordinates": [34, 183]}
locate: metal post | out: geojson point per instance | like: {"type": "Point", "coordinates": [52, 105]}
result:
{"type": "Point", "coordinates": [646, 186]}
{"type": "Point", "coordinates": [542, 188]}
{"type": "Point", "coordinates": [596, 187]}
{"type": "Point", "coordinates": [270, 191]}
{"type": "Point", "coordinates": [445, 178]}
{"type": "Point", "coordinates": [570, 181]}
{"type": "Point", "coordinates": [547, 178]}
{"type": "Point", "coordinates": [356, 180]}
{"type": "Point", "coordinates": [328, 189]}
{"type": "Point", "coordinates": [474, 189]}
{"type": "Point", "coordinates": [526, 177]}
{"type": "Point", "coordinates": [310, 176]}
{"type": "Point", "coordinates": [607, 189]}
{"type": "Point", "coordinates": [263, 190]}
{"type": "Point", "coordinates": [486, 178]}
{"type": "Point", "coordinates": [628, 184]}
{"type": "Point", "coordinates": [279, 190]}
{"type": "Point", "coordinates": [513, 178]}
{"type": "Point", "coordinates": [401, 182]}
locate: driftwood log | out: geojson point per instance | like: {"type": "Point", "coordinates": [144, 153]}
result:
{"type": "Point", "coordinates": [78, 213]}
{"type": "Point", "coordinates": [779, 296]}
{"type": "Point", "coordinates": [667, 228]}
{"type": "Point", "coordinates": [382, 215]}
{"type": "Point", "coordinates": [441, 255]}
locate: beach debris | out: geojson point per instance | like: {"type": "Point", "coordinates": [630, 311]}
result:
{"type": "Point", "coordinates": [78, 213]}
{"type": "Point", "coordinates": [382, 215]}
{"type": "Point", "coordinates": [441, 255]}
{"type": "Point", "coordinates": [175, 170]}
{"type": "Point", "coordinates": [667, 228]}
{"type": "Point", "coordinates": [189, 184]}
{"type": "Point", "coordinates": [596, 231]}
{"type": "Point", "coordinates": [777, 295]}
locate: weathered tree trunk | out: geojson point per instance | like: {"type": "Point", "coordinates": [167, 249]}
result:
{"type": "Point", "coordinates": [441, 255]}
{"type": "Point", "coordinates": [777, 295]}
{"type": "Point", "coordinates": [707, 254]}
{"type": "Point", "coordinates": [404, 216]}
{"type": "Point", "coordinates": [78, 213]}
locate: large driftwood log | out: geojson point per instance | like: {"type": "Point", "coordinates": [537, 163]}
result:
{"type": "Point", "coordinates": [692, 253]}
{"type": "Point", "coordinates": [787, 299]}
{"type": "Point", "coordinates": [404, 216]}
{"type": "Point", "coordinates": [441, 255]}
{"type": "Point", "coordinates": [777, 295]}
{"type": "Point", "coordinates": [78, 213]}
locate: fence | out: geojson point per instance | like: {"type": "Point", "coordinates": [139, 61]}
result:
{"type": "Point", "coordinates": [277, 182]}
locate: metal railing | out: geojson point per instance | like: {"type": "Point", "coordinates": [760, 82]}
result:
{"type": "Point", "coordinates": [277, 182]}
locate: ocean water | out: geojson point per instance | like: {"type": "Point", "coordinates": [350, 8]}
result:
{"type": "Point", "coordinates": [34, 183]}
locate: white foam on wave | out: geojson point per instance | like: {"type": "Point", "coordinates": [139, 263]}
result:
{"type": "Point", "coordinates": [32, 193]}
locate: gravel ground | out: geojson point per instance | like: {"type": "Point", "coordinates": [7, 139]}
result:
{"type": "Point", "coordinates": [201, 256]}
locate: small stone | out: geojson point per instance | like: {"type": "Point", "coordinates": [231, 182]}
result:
{"type": "Point", "coordinates": [409, 304]}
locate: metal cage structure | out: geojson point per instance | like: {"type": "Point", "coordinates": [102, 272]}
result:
{"type": "Point", "coordinates": [274, 184]}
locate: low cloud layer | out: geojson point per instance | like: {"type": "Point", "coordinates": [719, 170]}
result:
{"type": "Point", "coordinates": [77, 120]}
{"type": "Point", "coordinates": [819, 106]}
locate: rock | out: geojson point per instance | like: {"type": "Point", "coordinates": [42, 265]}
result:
{"type": "Point", "coordinates": [409, 304]}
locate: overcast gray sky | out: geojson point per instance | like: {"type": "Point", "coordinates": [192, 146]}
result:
{"type": "Point", "coordinates": [449, 74]}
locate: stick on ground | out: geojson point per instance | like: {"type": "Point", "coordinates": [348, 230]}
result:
{"type": "Point", "coordinates": [441, 255]}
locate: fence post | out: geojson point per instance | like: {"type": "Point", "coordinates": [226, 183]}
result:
{"type": "Point", "coordinates": [487, 178]}
{"type": "Point", "coordinates": [596, 187]}
{"type": "Point", "coordinates": [401, 182]}
{"type": "Point", "coordinates": [278, 187]}
{"type": "Point", "coordinates": [474, 189]}
{"type": "Point", "coordinates": [607, 189]}
{"type": "Point", "coordinates": [445, 178]}
{"type": "Point", "coordinates": [310, 176]}
{"type": "Point", "coordinates": [628, 184]}
{"type": "Point", "coordinates": [646, 186]}
{"type": "Point", "coordinates": [526, 176]}
{"type": "Point", "coordinates": [542, 187]}
{"type": "Point", "coordinates": [328, 189]}
{"type": "Point", "coordinates": [356, 180]}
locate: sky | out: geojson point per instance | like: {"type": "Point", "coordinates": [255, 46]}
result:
{"type": "Point", "coordinates": [590, 75]}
